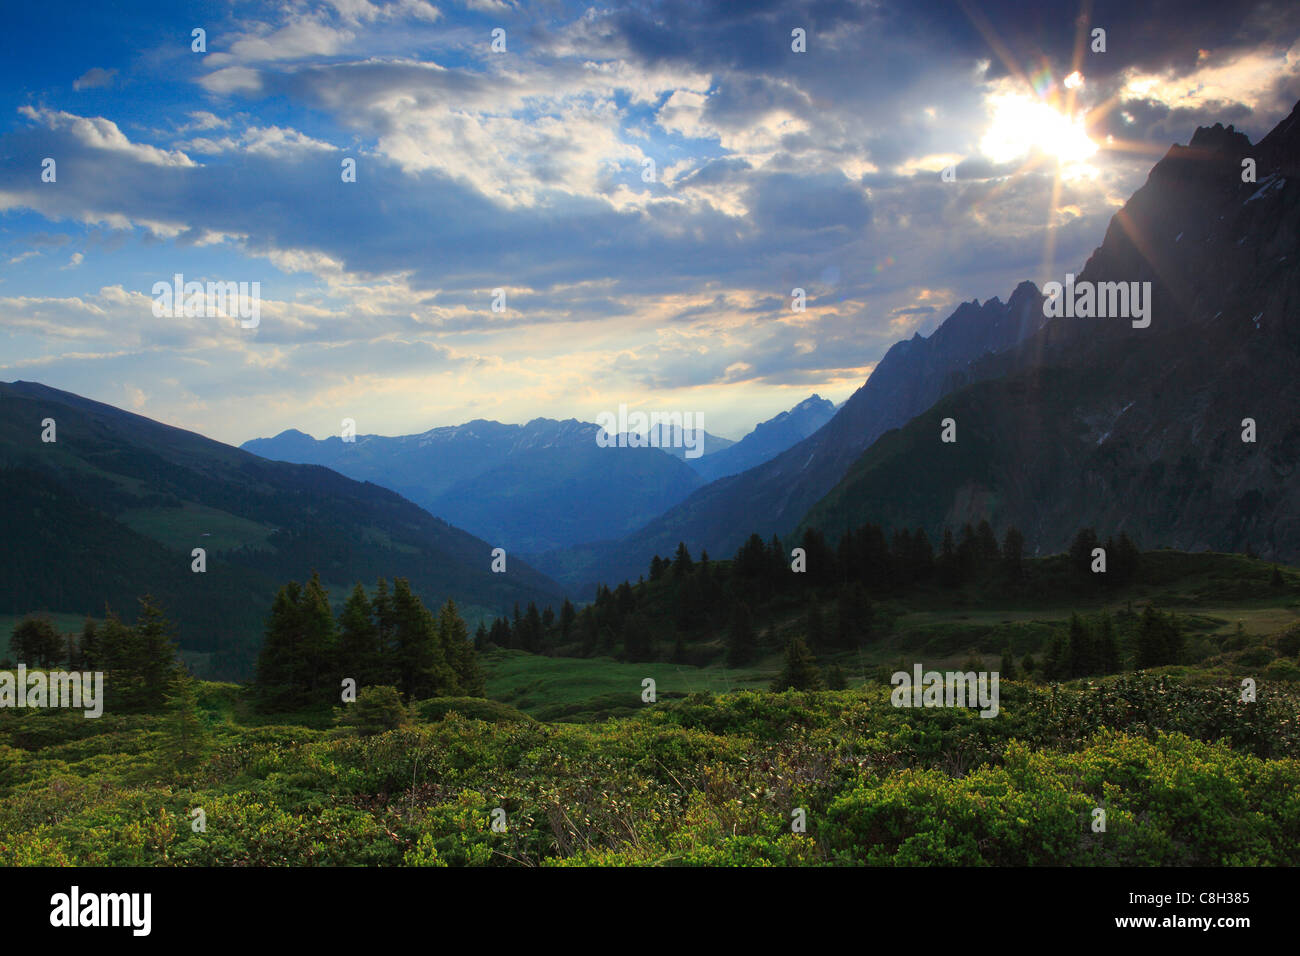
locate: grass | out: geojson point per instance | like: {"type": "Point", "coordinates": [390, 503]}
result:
{"type": "Point", "coordinates": [184, 528]}
{"type": "Point", "coordinates": [566, 688]}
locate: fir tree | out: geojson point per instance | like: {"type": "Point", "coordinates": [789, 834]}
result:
{"type": "Point", "coordinates": [1013, 554]}
{"type": "Point", "coordinates": [89, 648]}
{"type": "Point", "coordinates": [453, 636]}
{"type": "Point", "coordinates": [742, 642]}
{"type": "Point", "coordinates": [185, 738]}
{"type": "Point", "coordinates": [360, 656]}
{"type": "Point", "coordinates": [799, 671]}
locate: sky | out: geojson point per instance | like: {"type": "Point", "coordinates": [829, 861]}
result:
{"type": "Point", "coordinates": [647, 183]}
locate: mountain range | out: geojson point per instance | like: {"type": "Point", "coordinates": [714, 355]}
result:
{"type": "Point", "coordinates": [544, 485]}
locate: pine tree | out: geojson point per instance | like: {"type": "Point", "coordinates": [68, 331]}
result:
{"type": "Point", "coordinates": [682, 561]}
{"type": "Point", "coordinates": [319, 640]}
{"type": "Point", "coordinates": [835, 678]}
{"type": "Point", "coordinates": [36, 642]}
{"type": "Point", "coordinates": [422, 668]}
{"type": "Point", "coordinates": [1013, 554]}
{"type": "Point", "coordinates": [987, 546]}
{"type": "Point", "coordinates": [946, 564]}
{"type": "Point", "coordinates": [1081, 552]}
{"type": "Point", "coordinates": [156, 653]}
{"type": "Point", "coordinates": [967, 554]}
{"type": "Point", "coordinates": [185, 739]}
{"type": "Point", "coordinates": [567, 616]}
{"type": "Point", "coordinates": [853, 621]}
{"type": "Point", "coordinates": [799, 671]}
{"type": "Point", "coordinates": [742, 643]}
{"type": "Point", "coordinates": [1007, 669]}
{"type": "Point", "coordinates": [638, 644]}
{"type": "Point", "coordinates": [1079, 658]}
{"type": "Point", "coordinates": [1159, 640]}
{"type": "Point", "coordinates": [90, 650]}
{"type": "Point", "coordinates": [359, 652]}
{"type": "Point", "coordinates": [1107, 647]}
{"type": "Point", "coordinates": [453, 635]}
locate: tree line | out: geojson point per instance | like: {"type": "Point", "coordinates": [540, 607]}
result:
{"type": "Point", "coordinates": [387, 637]}
{"type": "Point", "coordinates": [686, 599]}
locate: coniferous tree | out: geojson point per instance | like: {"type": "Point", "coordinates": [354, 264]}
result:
{"type": "Point", "coordinates": [1013, 554]}
{"type": "Point", "coordinates": [1108, 660]}
{"type": "Point", "coordinates": [853, 621]}
{"type": "Point", "coordinates": [89, 648]}
{"type": "Point", "coordinates": [567, 616]}
{"type": "Point", "coordinates": [1078, 654]}
{"type": "Point", "coordinates": [381, 605]}
{"type": "Point", "coordinates": [922, 556]}
{"type": "Point", "coordinates": [422, 668]}
{"type": "Point", "coordinates": [36, 642]}
{"type": "Point", "coordinates": [637, 640]}
{"type": "Point", "coordinates": [156, 650]}
{"type": "Point", "coordinates": [481, 638]}
{"type": "Point", "coordinates": [821, 568]}
{"type": "Point", "coordinates": [946, 564]}
{"type": "Point", "coordinates": [799, 671]}
{"type": "Point", "coordinates": [835, 678]}
{"type": "Point", "coordinates": [1055, 663]}
{"type": "Point", "coordinates": [968, 556]}
{"type": "Point", "coordinates": [1124, 559]}
{"type": "Point", "coordinates": [986, 546]}
{"type": "Point", "coordinates": [1081, 552]}
{"type": "Point", "coordinates": [532, 640]}
{"type": "Point", "coordinates": [1160, 639]}
{"type": "Point", "coordinates": [682, 561]}
{"type": "Point", "coordinates": [742, 643]}
{"type": "Point", "coordinates": [814, 625]}
{"type": "Point", "coordinates": [453, 636]}
{"type": "Point", "coordinates": [359, 654]}
{"type": "Point", "coordinates": [1007, 669]}
{"type": "Point", "coordinates": [185, 738]}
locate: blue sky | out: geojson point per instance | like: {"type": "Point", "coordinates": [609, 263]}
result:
{"type": "Point", "coordinates": [523, 170]}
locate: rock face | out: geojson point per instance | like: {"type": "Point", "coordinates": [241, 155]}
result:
{"type": "Point", "coordinates": [1092, 422]}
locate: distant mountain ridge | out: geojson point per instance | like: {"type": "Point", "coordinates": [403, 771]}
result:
{"type": "Point", "coordinates": [542, 485]}
{"type": "Point", "coordinates": [773, 497]}
{"type": "Point", "coordinates": [767, 440]}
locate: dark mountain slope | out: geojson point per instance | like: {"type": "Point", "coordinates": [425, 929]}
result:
{"type": "Point", "coordinates": [1096, 423]}
{"type": "Point", "coordinates": [767, 440]}
{"type": "Point", "coordinates": [112, 509]}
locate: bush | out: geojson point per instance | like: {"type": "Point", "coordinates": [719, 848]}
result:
{"type": "Point", "coordinates": [376, 710]}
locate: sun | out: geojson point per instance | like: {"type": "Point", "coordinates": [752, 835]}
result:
{"type": "Point", "coordinates": [1023, 123]}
